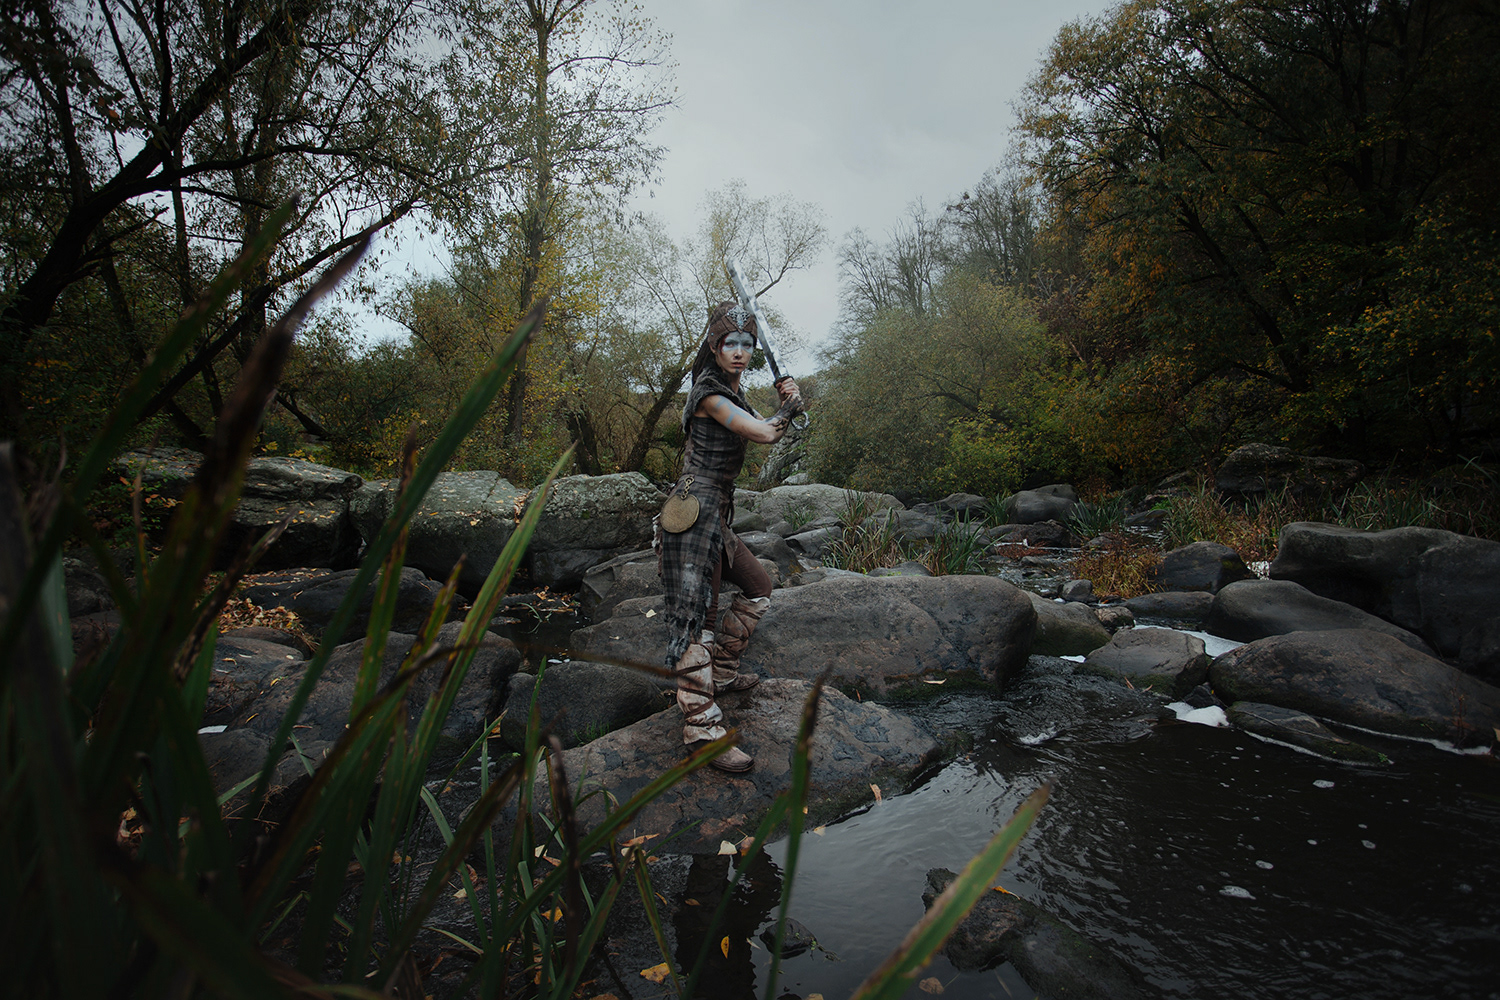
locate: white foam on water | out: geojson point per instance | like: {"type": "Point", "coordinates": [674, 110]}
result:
{"type": "Point", "coordinates": [1036, 738]}
{"type": "Point", "coordinates": [212, 729]}
{"type": "Point", "coordinates": [1443, 745]}
{"type": "Point", "coordinates": [1213, 715]}
{"type": "Point", "coordinates": [1075, 659]}
{"type": "Point", "coordinates": [1213, 645]}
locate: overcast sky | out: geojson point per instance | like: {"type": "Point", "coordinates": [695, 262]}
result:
{"type": "Point", "coordinates": [858, 106]}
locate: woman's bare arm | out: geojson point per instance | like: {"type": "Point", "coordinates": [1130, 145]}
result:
{"type": "Point", "coordinates": [743, 423]}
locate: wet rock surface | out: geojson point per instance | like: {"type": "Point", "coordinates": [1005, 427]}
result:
{"type": "Point", "coordinates": [1162, 659]}
{"type": "Point", "coordinates": [1254, 609]}
{"type": "Point", "coordinates": [242, 667]}
{"type": "Point", "coordinates": [854, 745]}
{"type": "Point", "coordinates": [872, 634]}
{"type": "Point", "coordinates": [579, 702]}
{"type": "Point", "coordinates": [1206, 566]}
{"type": "Point", "coordinates": [315, 597]}
{"type": "Point", "coordinates": [1055, 960]}
{"type": "Point", "coordinates": [1069, 629]}
{"type": "Point", "coordinates": [1181, 605]}
{"type": "Point", "coordinates": [1361, 678]}
{"type": "Point", "coordinates": [1289, 725]}
{"type": "Point", "coordinates": [1051, 698]}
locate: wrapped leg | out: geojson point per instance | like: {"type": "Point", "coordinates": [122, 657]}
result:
{"type": "Point", "coordinates": [702, 719]}
{"type": "Point", "coordinates": [730, 641]}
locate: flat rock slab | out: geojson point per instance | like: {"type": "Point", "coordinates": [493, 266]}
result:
{"type": "Point", "coordinates": [241, 667]}
{"type": "Point", "coordinates": [1288, 725]}
{"type": "Point", "coordinates": [854, 745]}
{"type": "Point", "coordinates": [1254, 609]}
{"type": "Point", "coordinates": [1162, 659]}
{"type": "Point", "coordinates": [315, 597]}
{"type": "Point", "coordinates": [809, 502]}
{"type": "Point", "coordinates": [1182, 605]}
{"type": "Point", "coordinates": [1054, 959]}
{"type": "Point", "coordinates": [1361, 678]}
{"type": "Point", "coordinates": [873, 634]}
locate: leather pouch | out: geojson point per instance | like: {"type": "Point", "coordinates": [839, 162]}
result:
{"type": "Point", "coordinates": [680, 512]}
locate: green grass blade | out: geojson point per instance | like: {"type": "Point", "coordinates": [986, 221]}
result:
{"type": "Point", "coordinates": [472, 407]}
{"type": "Point", "coordinates": [653, 916]}
{"type": "Point", "coordinates": [796, 819]}
{"type": "Point", "coordinates": [897, 973]}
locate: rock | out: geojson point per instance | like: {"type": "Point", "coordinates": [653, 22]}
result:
{"type": "Point", "coordinates": [1063, 490]}
{"type": "Point", "coordinates": [1262, 468]}
{"type": "Point", "coordinates": [1054, 959]}
{"type": "Point", "coordinates": [477, 704]}
{"type": "Point", "coordinates": [236, 754]}
{"type": "Point", "coordinates": [1188, 605]}
{"type": "Point", "coordinates": [1200, 566]}
{"type": "Point", "coordinates": [812, 543]}
{"type": "Point", "coordinates": [962, 507]}
{"type": "Point", "coordinates": [784, 459]}
{"type": "Point", "coordinates": [92, 633]}
{"type": "Point", "coordinates": [241, 668]}
{"type": "Point", "coordinates": [162, 470]}
{"type": "Point", "coordinates": [1441, 585]}
{"type": "Point", "coordinates": [589, 520]}
{"type": "Point", "coordinates": [468, 514]}
{"type": "Point", "coordinates": [820, 573]}
{"type": "Point", "coordinates": [1078, 590]}
{"type": "Point", "coordinates": [875, 633]}
{"type": "Point", "coordinates": [1361, 678]}
{"type": "Point", "coordinates": [1153, 518]}
{"type": "Point", "coordinates": [579, 701]}
{"type": "Point", "coordinates": [322, 533]}
{"type": "Point", "coordinates": [1034, 506]}
{"type": "Point", "coordinates": [316, 596]}
{"type": "Point", "coordinates": [799, 479]}
{"type": "Point", "coordinates": [766, 545]}
{"type": "Point", "coordinates": [748, 520]}
{"type": "Point", "coordinates": [619, 579]}
{"type": "Point", "coordinates": [87, 591]}
{"type": "Point", "coordinates": [1043, 534]}
{"type": "Point", "coordinates": [854, 745]}
{"type": "Point", "coordinates": [280, 637]}
{"type": "Point", "coordinates": [1162, 659]}
{"type": "Point", "coordinates": [908, 568]}
{"type": "Point", "coordinates": [811, 501]}
{"type": "Point", "coordinates": [1068, 629]}
{"type": "Point", "coordinates": [912, 525]}
{"type": "Point", "coordinates": [1253, 609]}
{"type": "Point", "coordinates": [1288, 725]}
{"type": "Point", "coordinates": [1114, 616]}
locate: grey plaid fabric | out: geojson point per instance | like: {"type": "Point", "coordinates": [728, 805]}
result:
{"type": "Point", "coordinates": [713, 457]}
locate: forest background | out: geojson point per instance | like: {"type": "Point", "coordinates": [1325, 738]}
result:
{"type": "Point", "coordinates": [1221, 221]}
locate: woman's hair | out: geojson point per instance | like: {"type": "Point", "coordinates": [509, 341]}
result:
{"type": "Point", "coordinates": [726, 318]}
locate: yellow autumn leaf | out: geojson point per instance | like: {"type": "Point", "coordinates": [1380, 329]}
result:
{"type": "Point", "coordinates": [876, 790]}
{"type": "Point", "coordinates": [724, 947]}
{"type": "Point", "coordinates": [657, 973]}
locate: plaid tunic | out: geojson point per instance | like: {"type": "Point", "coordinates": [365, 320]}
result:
{"type": "Point", "coordinates": [713, 457]}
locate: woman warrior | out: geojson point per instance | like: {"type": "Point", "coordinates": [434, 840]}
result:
{"type": "Point", "coordinates": [717, 421]}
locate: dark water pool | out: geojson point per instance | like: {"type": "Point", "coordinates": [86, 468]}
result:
{"type": "Point", "coordinates": [1211, 863]}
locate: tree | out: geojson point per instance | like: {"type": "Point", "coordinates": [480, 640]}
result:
{"type": "Point", "coordinates": [157, 136]}
{"type": "Point", "coordinates": [1253, 175]}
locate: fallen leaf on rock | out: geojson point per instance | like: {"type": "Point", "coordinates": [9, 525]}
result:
{"type": "Point", "coordinates": [724, 947]}
{"type": "Point", "coordinates": [638, 841]}
{"type": "Point", "coordinates": [657, 973]}
{"type": "Point", "coordinates": [461, 894]}
{"type": "Point", "coordinates": [690, 901]}
{"type": "Point", "coordinates": [820, 830]}
{"type": "Point", "coordinates": [746, 844]}
{"type": "Point", "coordinates": [650, 612]}
{"type": "Point", "coordinates": [931, 985]}
{"type": "Point", "coordinates": [934, 680]}
{"type": "Point", "coordinates": [1001, 888]}
{"type": "Point", "coordinates": [725, 847]}
{"type": "Point", "coordinates": [876, 790]}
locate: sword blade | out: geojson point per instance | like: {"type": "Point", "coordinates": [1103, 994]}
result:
{"type": "Point", "coordinates": [762, 327]}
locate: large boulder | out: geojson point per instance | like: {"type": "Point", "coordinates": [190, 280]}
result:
{"type": "Point", "coordinates": [1207, 566]}
{"type": "Point", "coordinates": [321, 532]}
{"type": "Point", "coordinates": [1069, 629]}
{"type": "Point", "coordinates": [1441, 585]}
{"type": "Point", "coordinates": [1049, 503]}
{"type": "Point", "coordinates": [242, 666]}
{"type": "Point", "coordinates": [465, 514]}
{"type": "Point", "coordinates": [1262, 468]}
{"type": "Point", "coordinates": [764, 545]}
{"type": "Point", "coordinates": [619, 579]}
{"type": "Point", "coordinates": [854, 745]}
{"type": "Point", "coordinates": [316, 596]}
{"type": "Point", "coordinates": [801, 504]}
{"type": "Point", "coordinates": [1361, 678]}
{"type": "Point", "coordinates": [589, 520]}
{"type": "Point", "coordinates": [478, 704]}
{"type": "Point", "coordinates": [1162, 659]}
{"type": "Point", "coordinates": [872, 633]}
{"type": "Point", "coordinates": [579, 702]}
{"type": "Point", "coordinates": [1054, 959]}
{"type": "Point", "coordinates": [1254, 609]}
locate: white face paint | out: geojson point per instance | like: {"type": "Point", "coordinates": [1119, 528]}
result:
{"type": "Point", "coordinates": [734, 354]}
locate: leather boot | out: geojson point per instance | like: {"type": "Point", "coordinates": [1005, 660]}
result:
{"type": "Point", "coordinates": [702, 719]}
{"type": "Point", "coordinates": [730, 641]}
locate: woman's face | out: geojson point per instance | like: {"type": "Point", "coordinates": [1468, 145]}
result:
{"type": "Point", "coordinates": [734, 354]}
